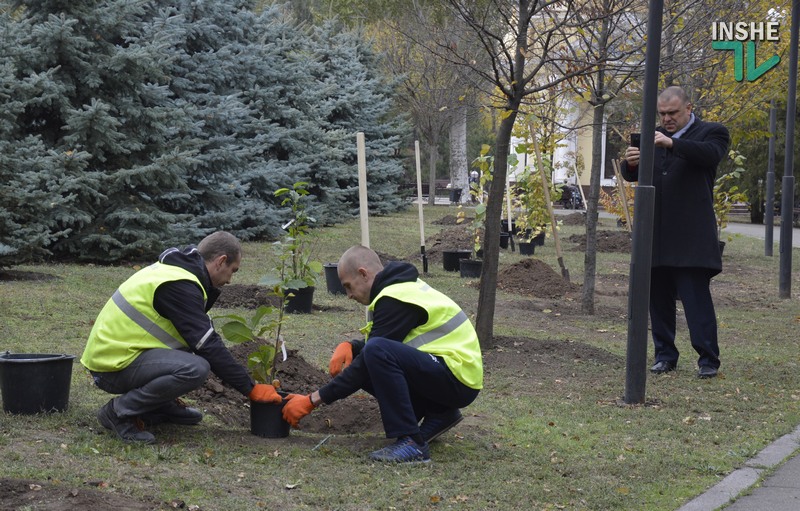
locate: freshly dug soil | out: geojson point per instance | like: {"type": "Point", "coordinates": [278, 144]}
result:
{"type": "Point", "coordinates": [27, 494]}
{"type": "Point", "coordinates": [356, 414]}
{"type": "Point", "coordinates": [573, 219]}
{"type": "Point", "coordinates": [535, 278]}
{"type": "Point", "coordinates": [607, 241]}
{"type": "Point", "coordinates": [451, 238]}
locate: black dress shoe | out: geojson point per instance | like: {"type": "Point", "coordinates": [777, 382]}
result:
{"type": "Point", "coordinates": [706, 372]}
{"type": "Point", "coordinates": [663, 367]}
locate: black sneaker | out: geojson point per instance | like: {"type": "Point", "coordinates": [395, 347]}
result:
{"type": "Point", "coordinates": [405, 450]}
{"type": "Point", "coordinates": [130, 429]}
{"type": "Point", "coordinates": [433, 425]}
{"type": "Point", "coordinates": [175, 412]}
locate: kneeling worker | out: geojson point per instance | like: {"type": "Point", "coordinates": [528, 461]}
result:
{"type": "Point", "coordinates": [154, 342]}
{"type": "Point", "coordinates": [421, 358]}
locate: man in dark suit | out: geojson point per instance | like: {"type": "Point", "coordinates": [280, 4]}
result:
{"type": "Point", "coordinates": [686, 252]}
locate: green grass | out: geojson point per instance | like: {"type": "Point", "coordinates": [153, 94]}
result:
{"type": "Point", "coordinates": [545, 440]}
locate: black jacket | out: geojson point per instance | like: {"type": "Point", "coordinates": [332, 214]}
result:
{"type": "Point", "coordinates": [684, 225]}
{"type": "Point", "coordinates": [391, 319]}
{"type": "Point", "coordinates": [181, 302]}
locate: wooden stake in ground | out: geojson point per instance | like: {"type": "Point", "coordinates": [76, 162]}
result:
{"type": "Point", "coordinates": [419, 202]}
{"type": "Point", "coordinates": [362, 188]}
{"type": "Point", "coordinates": [546, 185]}
{"type": "Point", "coordinates": [623, 196]}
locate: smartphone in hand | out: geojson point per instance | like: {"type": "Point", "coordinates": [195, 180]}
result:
{"type": "Point", "coordinates": [636, 139]}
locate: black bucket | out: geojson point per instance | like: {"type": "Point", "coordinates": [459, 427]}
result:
{"type": "Point", "coordinates": [332, 279]}
{"type": "Point", "coordinates": [35, 383]}
{"type": "Point", "coordinates": [301, 300]}
{"type": "Point", "coordinates": [527, 248]}
{"type": "Point", "coordinates": [266, 420]}
{"type": "Point", "coordinates": [470, 268]}
{"type": "Point", "coordinates": [451, 258]}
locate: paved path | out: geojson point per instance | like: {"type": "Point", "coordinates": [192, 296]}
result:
{"type": "Point", "coordinates": [778, 463]}
{"type": "Point", "coordinates": [760, 232]}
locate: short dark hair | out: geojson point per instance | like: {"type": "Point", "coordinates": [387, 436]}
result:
{"type": "Point", "coordinates": [674, 91]}
{"type": "Point", "coordinates": [220, 243]}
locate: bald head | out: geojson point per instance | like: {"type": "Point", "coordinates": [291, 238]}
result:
{"type": "Point", "coordinates": [359, 256]}
{"type": "Point", "coordinates": [674, 92]}
{"type": "Point", "coordinates": [357, 269]}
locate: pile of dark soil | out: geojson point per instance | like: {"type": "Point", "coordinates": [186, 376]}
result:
{"type": "Point", "coordinates": [248, 296]}
{"type": "Point", "coordinates": [28, 494]}
{"type": "Point", "coordinates": [357, 414]}
{"type": "Point", "coordinates": [535, 278]}
{"type": "Point", "coordinates": [453, 238]}
{"type": "Point", "coordinates": [12, 275]}
{"type": "Point", "coordinates": [573, 219]}
{"type": "Point", "coordinates": [607, 241]}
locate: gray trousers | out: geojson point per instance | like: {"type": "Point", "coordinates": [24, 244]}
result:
{"type": "Point", "coordinates": [152, 380]}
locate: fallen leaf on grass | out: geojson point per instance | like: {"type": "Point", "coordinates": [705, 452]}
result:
{"type": "Point", "coordinates": [290, 486]}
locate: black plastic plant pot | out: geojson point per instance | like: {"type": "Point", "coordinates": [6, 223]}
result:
{"type": "Point", "coordinates": [538, 239]}
{"type": "Point", "coordinates": [266, 419]}
{"type": "Point", "coordinates": [526, 248]}
{"type": "Point", "coordinates": [35, 383]}
{"type": "Point", "coordinates": [504, 226]}
{"type": "Point", "coordinates": [470, 268]}
{"type": "Point", "coordinates": [332, 279]}
{"type": "Point", "coordinates": [301, 301]}
{"type": "Point", "coordinates": [450, 258]}
{"type": "Point", "coordinates": [504, 237]}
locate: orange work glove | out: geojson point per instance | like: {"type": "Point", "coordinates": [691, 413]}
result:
{"type": "Point", "coordinates": [342, 356]}
{"type": "Point", "coordinates": [297, 406]}
{"type": "Point", "coordinates": [264, 393]}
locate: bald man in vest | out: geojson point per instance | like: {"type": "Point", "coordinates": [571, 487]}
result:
{"type": "Point", "coordinates": [421, 358]}
{"type": "Point", "coordinates": [153, 341]}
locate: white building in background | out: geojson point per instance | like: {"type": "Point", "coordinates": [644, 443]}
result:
{"type": "Point", "coordinates": [573, 151]}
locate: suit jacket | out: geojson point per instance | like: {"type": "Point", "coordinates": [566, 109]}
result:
{"type": "Point", "coordinates": [684, 226]}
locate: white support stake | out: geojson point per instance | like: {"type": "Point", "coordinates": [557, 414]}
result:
{"type": "Point", "coordinates": [421, 216]}
{"type": "Point", "coordinates": [362, 188]}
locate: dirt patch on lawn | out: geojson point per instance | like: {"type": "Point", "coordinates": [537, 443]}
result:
{"type": "Point", "coordinates": [12, 275]}
{"type": "Point", "coordinates": [607, 241]}
{"type": "Point", "coordinates": [574, 219]}
{"type": "Point", "coordinates": [535, 278]}
{"type": "Point", "coordinates": [25, 494]}
{"type": "Point", "coordinates": [357, 414]}
{"type": "Point", "coordinates": [451, 238]}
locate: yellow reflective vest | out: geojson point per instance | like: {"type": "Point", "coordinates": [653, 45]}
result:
{"type": "Point", "coordinates": [448, 332]}
{"type": "Point", "coordinates": [129, 324]}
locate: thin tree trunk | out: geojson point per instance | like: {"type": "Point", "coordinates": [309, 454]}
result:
{"type": "Point", "coordinates": [433, 154]}
{"type": "Point", "coordinates": [590, 257]}
{"type": "Point", "coordinates": [459, 172]}
{"type": "Point", "coordinates": [484, 321]}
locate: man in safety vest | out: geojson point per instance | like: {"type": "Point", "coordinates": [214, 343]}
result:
{"type": "Point", "coordinates": [153, 341]}
{"type": "Point", "coordinates": [421, 358]}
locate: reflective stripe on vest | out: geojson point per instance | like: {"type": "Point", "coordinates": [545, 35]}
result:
{"type": "Point", "coordinates": [439, 332]}
{"type": "Point", "coordinates": [447, 333]}
{"type": "Point", "coordinates": [144, 322]}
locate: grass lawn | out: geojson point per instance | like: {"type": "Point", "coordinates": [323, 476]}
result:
{"type": "Point", "coordinates": [548, 434]}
